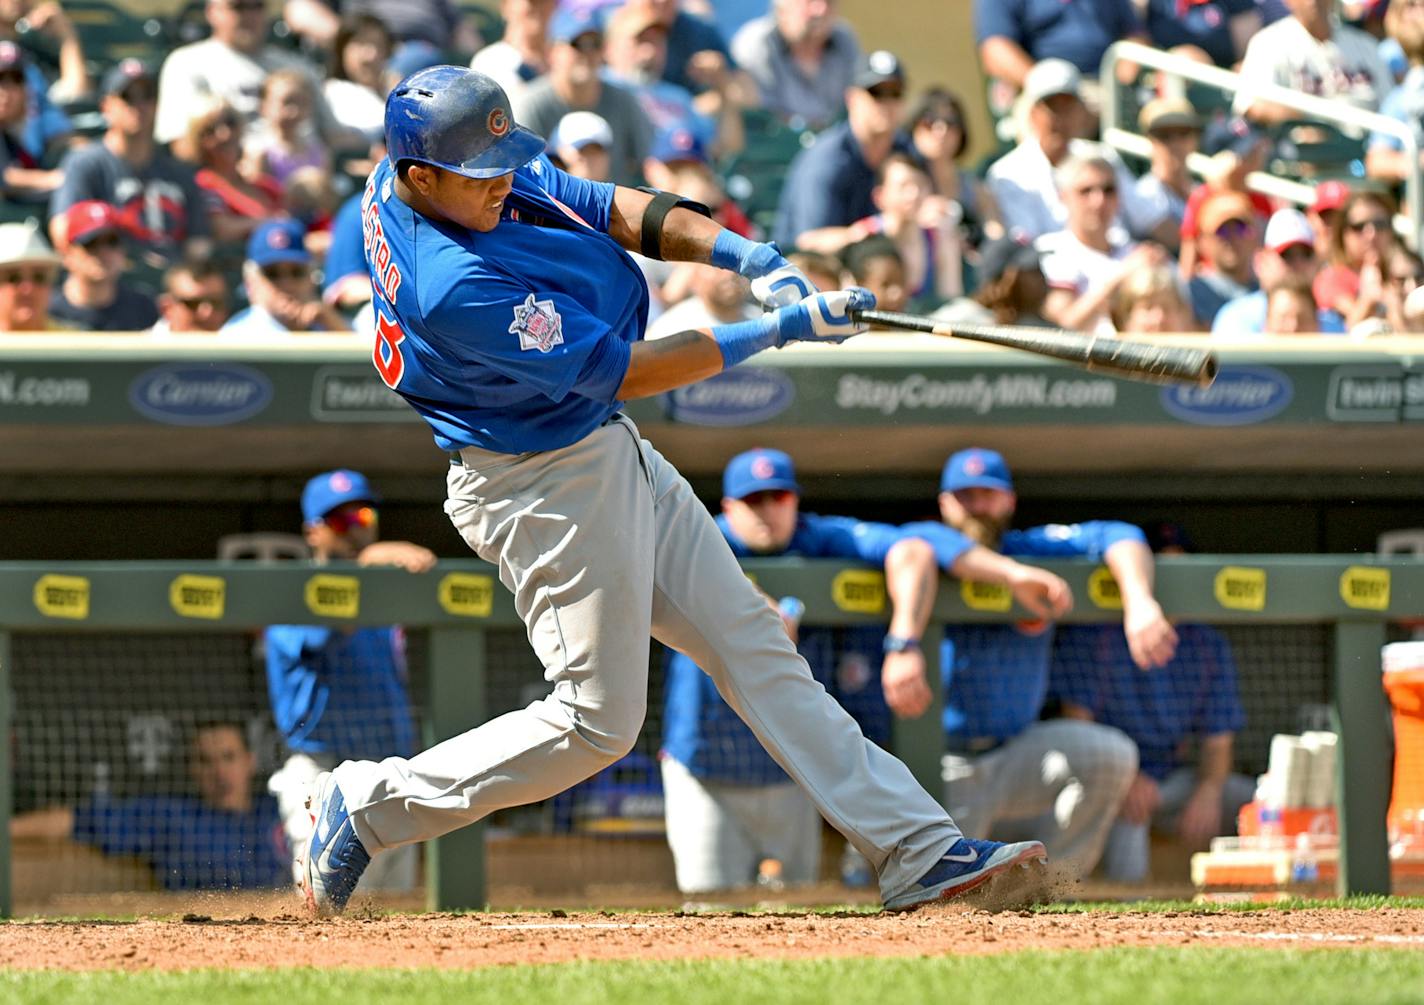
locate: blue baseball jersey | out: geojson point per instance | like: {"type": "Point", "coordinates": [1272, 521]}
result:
{"type": "Point", "coordinates": [701, 731]}
{"type": "Point", "coordinates": [340, 693]}
{"type": "Point", "coordinates": [996, 676]}
{"type": "Point", "coordinates": [189, 844]}
{"type": "Point", "coordinates": [513, 340]}
{"type": "Point", "coordinates": [1193, 696]}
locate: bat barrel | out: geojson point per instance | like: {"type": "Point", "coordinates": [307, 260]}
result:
{"type": "Point", "coordinates": [1163, 364]}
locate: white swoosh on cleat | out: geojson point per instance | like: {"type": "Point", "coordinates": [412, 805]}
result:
{"type": "Point", "coordinates": [973, 856]}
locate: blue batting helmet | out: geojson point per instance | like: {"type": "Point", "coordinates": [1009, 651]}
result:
{"type": "Point", "coordinates": [457, 119]}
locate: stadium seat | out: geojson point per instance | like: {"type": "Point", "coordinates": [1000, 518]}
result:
{"type": "Point", "coordinates": [1308, 148]}
{"type": "Point", "coordinates": [754, 177]}
{"type": "Point", "coordinates": [110, 33]}
{"type": "Point", "coordinates": [262, 547]}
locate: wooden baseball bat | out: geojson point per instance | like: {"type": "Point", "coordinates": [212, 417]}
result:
{"type": "Point", "coordinates": [1160, 364]}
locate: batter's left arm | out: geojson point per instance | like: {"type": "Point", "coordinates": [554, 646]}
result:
{"type": "Point", "coordinates": [1150, 637]}
{"type": "Point", "coordinates": [688, 236]}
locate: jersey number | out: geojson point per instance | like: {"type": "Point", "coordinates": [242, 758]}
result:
{"type": "Point", "coordinates": [390, 364]}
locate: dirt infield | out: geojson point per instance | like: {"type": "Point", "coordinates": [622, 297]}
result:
{"type": "Point", "coordinates": [463, 941]}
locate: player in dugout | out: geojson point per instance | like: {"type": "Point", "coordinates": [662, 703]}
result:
{"type": "Point", "coordinates": [728, 805]}
{"type": "Point", "coordinates": [1008, 772]}
{"type": "Point", "coordinates": [224, 837]}
{"type": "Point", "coordinates": [510, 315]}
{"type": "Point", "coordinates": [341, 693]}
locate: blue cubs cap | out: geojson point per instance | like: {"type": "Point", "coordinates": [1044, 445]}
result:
{"type": "Point", "coordinates": [568, 24]}
{"type": "Point", "coordinates": [458, 119]}
{"type": "Point", "coordinates": [678, 144]}
{"type": "Point", "coordinates": [327, 491]}
{"type": "Point", "coordinates": [976, 468]}
{"type": "Point", "coordinates": [759, 471]}
{"type": "Point", "coordinates": [278, 241]}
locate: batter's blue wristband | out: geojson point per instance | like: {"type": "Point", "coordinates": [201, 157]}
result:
{"type": "Point", "coordinates": [746, 258]}
{"type": "Point", "coordinates": [744, 339]}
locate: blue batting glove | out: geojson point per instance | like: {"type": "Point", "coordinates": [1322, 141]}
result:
{"type": "Point", "coordinates": [823, 317]}
{"type": "Point", "coordinates": [775, 281]}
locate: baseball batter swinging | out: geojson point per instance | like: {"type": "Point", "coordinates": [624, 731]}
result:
{"type": "Point", "coordinates": [510, 315]}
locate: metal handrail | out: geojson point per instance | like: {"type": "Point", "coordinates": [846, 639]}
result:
{"type": "Point", "coordinates": [1337, 113]}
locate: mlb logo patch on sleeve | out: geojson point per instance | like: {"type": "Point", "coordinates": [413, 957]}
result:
{"type": "Point", "coordinates": [537, 324]}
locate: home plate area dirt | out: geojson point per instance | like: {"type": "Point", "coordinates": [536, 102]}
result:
{"type": "Point", "coordinates": [462, 941]}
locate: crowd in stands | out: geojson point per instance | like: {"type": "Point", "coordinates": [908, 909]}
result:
{"type": "Point", "coordinates": [260, 127]}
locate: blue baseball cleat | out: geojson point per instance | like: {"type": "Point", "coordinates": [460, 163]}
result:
{"type": "Point", "coordinates": [968, 865]}
{"type": "Point", "coordinates": [330, 866]}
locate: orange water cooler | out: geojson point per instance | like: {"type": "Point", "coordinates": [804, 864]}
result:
{"type": "Point", "coordinates": [1404, 683]}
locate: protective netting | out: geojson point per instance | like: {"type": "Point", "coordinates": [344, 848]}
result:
{"type": "Point", "coordinates": [142, 760]}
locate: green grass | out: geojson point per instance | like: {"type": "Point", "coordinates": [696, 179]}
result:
{"type": "Point", "coordinates": [1135, 976]}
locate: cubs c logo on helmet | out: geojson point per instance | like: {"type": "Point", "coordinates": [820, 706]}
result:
{"type": "Point", "coordinates": [762, 468]}
{"type": "Point", "coordinates": [498, 122]}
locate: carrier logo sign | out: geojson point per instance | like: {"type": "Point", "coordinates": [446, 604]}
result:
{"type": "Point", "coordinates": [198, 596]}
{"type": "Point", "coordinates": [734, 398]}
{"type": "Point", "coordinates": [859, 591]}
{"type": "Point", "coordinates": [1240, 589]}
{"type": "Point", "coordinates": [194, 395]}
{"type": "Point", "coordinates": [1103, 590]}
{"type": "Point", "coordinates": [330, 596]}
{"type": "Point", "coordinates": [1241, 396]}
{"type": "Point", "coordinates": [62, 597]}
{"type": "Point", "coordinates": [466, 596]}
{"type": "Point", "coordinates": [986, 596]}
{"type": "Point", "coordinates": [1364, 588]}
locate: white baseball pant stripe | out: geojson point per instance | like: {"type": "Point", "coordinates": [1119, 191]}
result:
{"type": "Point", "coordinates": [719, 832]}
{"type": "Point", "coordinates": [604, 544]}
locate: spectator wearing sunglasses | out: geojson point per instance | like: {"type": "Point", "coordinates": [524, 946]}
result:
{"type": "Point", "coordinates": [1228, 239]}
{"type": "Point", "coordinates": [194, 298]}
{"type": "Point", "coordinates": [1288, 258]}
{"type": "Point", "coordinates": [1361, 241]}
{"type": "Point", "coordinates": [157, 197]}
{"type": "Point", "coordinates": [29, 144]}
{"type": "Point", "coordinates": [28, 267]}
{"type": "Point", "coordinates": [1086, 261]}
{"type": "Point", "coordinates": [93, 296]}
{"type": "Point", "coordinates": [575, 82]}
{"type": "Point", "coordinates": [830, 184]}
{"type": "Point", "coordinates": [339, 693]}
{"type": "Point", "coordinates": [1056, 125]}
{"type": "Point", "coordinates": [940, 135]}
{"type": "Point", "coordinates": [281, 289]}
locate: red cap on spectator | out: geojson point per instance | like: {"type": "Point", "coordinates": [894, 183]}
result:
{"type": "Point", "coordinates": [1330, 195]}
{"type": "Point", "coordinates": [89, 218]}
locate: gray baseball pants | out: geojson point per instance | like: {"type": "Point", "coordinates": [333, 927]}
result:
{"type": "Point", "coordinates": [1060, 781]}
{"type": "Point", "coordinates": [604, 545]}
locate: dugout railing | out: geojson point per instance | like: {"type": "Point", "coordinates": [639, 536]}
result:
{"type": "Point", "coordinates": [1355, 598]}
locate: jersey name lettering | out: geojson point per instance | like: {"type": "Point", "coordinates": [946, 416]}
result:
{"type": "Point", "coordinates": [385, 276]}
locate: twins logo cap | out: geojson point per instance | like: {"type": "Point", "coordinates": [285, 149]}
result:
{"type": "Point", "coordinates": [327, 491]}
{"type": "Point", "coordinates": [976, 468]}
{"type": "Point", "coordinates": [759, 470]}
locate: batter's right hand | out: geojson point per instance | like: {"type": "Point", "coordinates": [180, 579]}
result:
{"type": "Point", "coordinates": [823, 317]}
